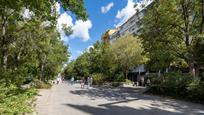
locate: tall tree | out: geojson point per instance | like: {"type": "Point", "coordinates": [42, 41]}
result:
{"type": "Point", "coordinates": [173, 26]}
{"type": "Point", "coordinates": [128, 52]}
{"type": "Point", "coordinates": [29, 43]}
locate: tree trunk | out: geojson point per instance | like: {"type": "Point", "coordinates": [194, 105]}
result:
{"type": "Point", "coordinates": [41, 72]}
{"type": "Point", "coordinates": [192, 69]}
{"type": "Point", "coordinates": [3, 47]}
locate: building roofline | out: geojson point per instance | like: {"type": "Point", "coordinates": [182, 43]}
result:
{"type": "Point", "coordinates": [135, 14]}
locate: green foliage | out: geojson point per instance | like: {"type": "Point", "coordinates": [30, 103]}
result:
{"type": "Point", "coordinates": [14, 101]}
{"type": "Point", "coordinates": [108, 59]}
{"type": "Point", "coordinates": [69, 71]}
{"type": "Point", "coordinates": [155, 79]}
{"type": "Point", "coordinates": [171, 31]}
{"type": "Point", "coordinates": [31, 48]}
{"type": "Point", "coordinates": [30, 45]}
{"type": "Point", "coordinates": [99, 59]}
{"type": "Point", "coordinates": [41, 85]}
{"type": "Point", "coordinates": [198, 50]}
{"type": "Point", "coordinates": [119, 77]}
{"type": "Point", "coordinates": [178, 86]}
{"type": "Point", "coordinates": [172, 35]}
{"type": "Point", "coordinates": [195, 91]}
{"type": "Point", "coordinates": [75, 6]}
{"type": "Point", "coordinates": [98, 78]}
{"type": "Point", "coordinates": [128, 52]}
{"type": "Point", "coordinates": [175, 84]}
{"type": "Point", "coordinates": [129, 82]}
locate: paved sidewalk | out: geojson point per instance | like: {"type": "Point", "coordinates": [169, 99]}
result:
{"type": "Point", "coordinates": [64, 99]}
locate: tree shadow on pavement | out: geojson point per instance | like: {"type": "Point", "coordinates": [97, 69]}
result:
{"type": "Point", "coordinates": [116, 94]}
{"type": "Point", "coordinates": [124, 110]}
{"type": "Point", "coordinates": [120, 95]}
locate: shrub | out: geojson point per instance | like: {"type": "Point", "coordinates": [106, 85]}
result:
{"type": "Point", "coordinates": [175, 84]}
{"type": "Point", "coordinates": [196, 91]}
{"type": "Point", "coordinates": [155, 80]}
{"type": "Point", "coordinates": [181, 86]}
{"type": "Point", "coordinates": [98, 78]}
{"type": "Point", "coordinates": [41, 85]}
{"type": "Point", "coordinates": [119, 77]}
{"type": "Point", "coordinates": [127, 81]}
{"type": "Point", "coordinates": [15, 101]}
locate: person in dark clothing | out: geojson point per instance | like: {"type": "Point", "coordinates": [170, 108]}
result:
{"type": "Point", "coordinates": [86, 81]}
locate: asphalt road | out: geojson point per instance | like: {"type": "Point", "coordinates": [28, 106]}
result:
{"type": "Point", "coordinates": [64, 99]}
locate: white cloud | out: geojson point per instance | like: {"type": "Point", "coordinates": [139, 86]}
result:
{"type": "Point", "coordinates": [105, 9]}
{"type": "Point", "coordinates": [80, 28]}
{"type": "Point", "coordinates": [130, 9]}
{"type": "Point", "coordinates": [142, 4]}
{"type": "Point", "coordinates": [125, 13]}
{"type": "Point", "coordinates": [64, 19]}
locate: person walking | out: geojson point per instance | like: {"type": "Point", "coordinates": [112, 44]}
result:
{"type": "Point", "coordinates": [82, 82]}
{"type": "Point", "coordinates": [88, 82]}
{"type": "Point", "coordinates": [91, 81]}
{"type": "Point", "coordinates": [58, 80]}
{"type": "Point", "coordinates": [62, 79]}
{"type": "Point", "coordinates": [72, 80]}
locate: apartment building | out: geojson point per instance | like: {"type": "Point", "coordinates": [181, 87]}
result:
{"type": "Point", "coordinates": [133, 24]}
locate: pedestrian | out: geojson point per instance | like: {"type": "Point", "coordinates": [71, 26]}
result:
{"type": "Point", "coordinates": [58, 80]}
{"type": "Point", "coordinates": [88, 82]}
{"type": "Point", "coordinates": [72, 80]}
{"type": "Point", "coordinates": [91, 81]}
{"type": "Point", "coordinates": [82, 82]}
{"type": "Point", "coordinates": [62, 79]}
{"type": "Point", "coordinates": [142, 81]}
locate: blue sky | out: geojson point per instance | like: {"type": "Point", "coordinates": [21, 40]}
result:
{"type": "Point", "coordinates": [102, 15]}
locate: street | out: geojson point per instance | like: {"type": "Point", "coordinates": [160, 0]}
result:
{"type": "Point", "coordinates": [64, 99]}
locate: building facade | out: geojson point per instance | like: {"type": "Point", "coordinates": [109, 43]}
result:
{"type": "Point", "coordinates": [133, 24]}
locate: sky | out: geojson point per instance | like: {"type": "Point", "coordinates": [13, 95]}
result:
{"type": "Point", "coordinates": [102, 15]}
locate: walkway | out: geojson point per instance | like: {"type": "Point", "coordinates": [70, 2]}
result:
{"type": "Point", "coordinates": [63, 99]}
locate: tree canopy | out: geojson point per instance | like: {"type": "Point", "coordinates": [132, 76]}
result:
{"type": "Point", "coordinates": [30, 47]}
{"type": "Point", "coordinates": [128, 52]}
{"type": "Point", "coordinates": [170, 30]}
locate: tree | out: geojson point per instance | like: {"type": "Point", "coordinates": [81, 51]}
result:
{"type": "Point", "coordinates": [172, 27]}
{"type": "Point", "coordinates": [128, 52]}
{"type": "Point", "coordinates": [68, 72]}
{"type": "Point", "coordinates": [82, 65]}
{"type": "Point", "coordinates": [30, 44]}
{"type": "Point", "coordinates": [96, 60]}
{"type": "Point", "coordinates": [30, 47]}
